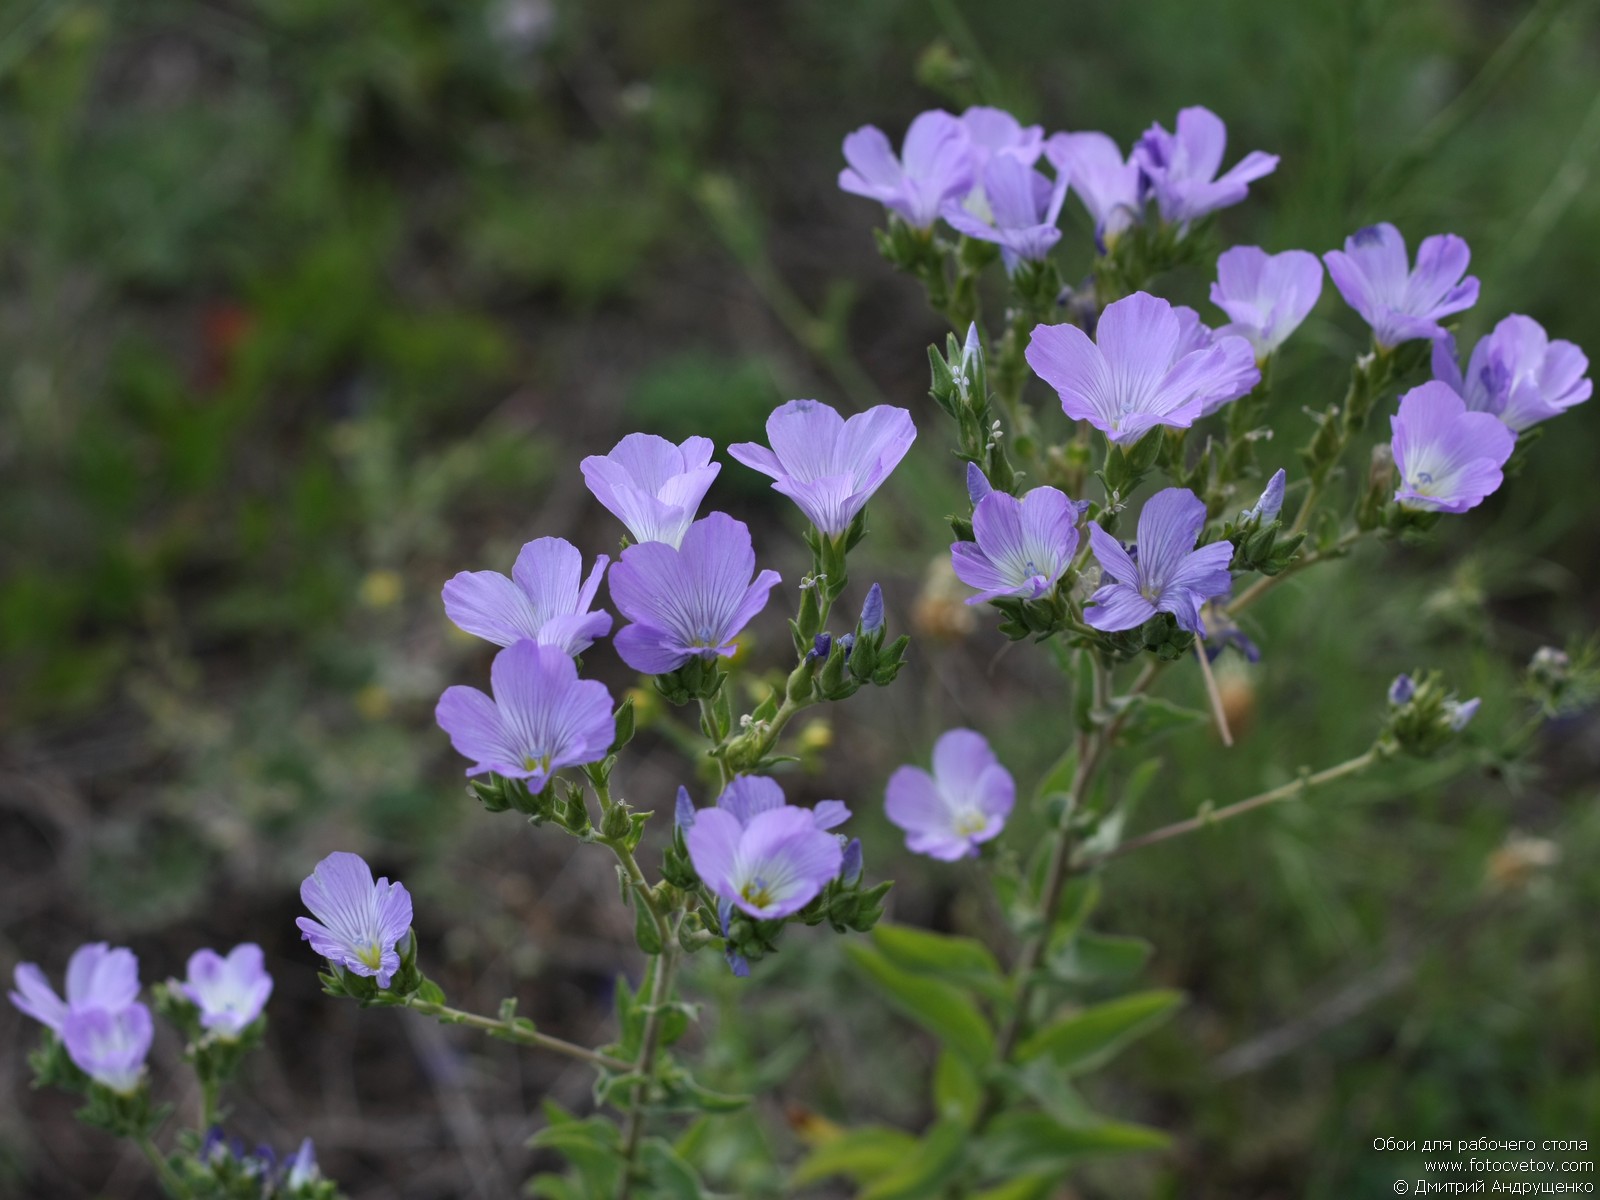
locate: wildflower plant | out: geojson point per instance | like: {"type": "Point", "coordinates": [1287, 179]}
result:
{"type": "Point", "coordinates": [1132, 547]}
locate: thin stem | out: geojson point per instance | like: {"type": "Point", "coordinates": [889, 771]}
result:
{"type": "Point", "coordinates": [1266, 583]}
{"type": "Point", "coordinates": [641, 886]}
{"type": "Point", "coordinates": [645, 1065]}
{"type": "Point", "coordinates": [1213, 694]}
{"type": "Point", "coordinates": [1287, 791]}
{"type": "Point", "coordinates": [170, 1182]}
{"type": "Point", "coordinates": [209, 1090]}
{"type": "Point", "coordinates": [512, 1032]}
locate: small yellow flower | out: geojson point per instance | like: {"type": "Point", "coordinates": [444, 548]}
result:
{"type": "Point", "coordinates": [382, 589]}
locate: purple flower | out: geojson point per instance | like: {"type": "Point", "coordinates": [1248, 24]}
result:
{"type": "Point", "coordinates": [1180, 169]}
{"type": "Point", "coordinates": [1024, 546]}
{"type": "Point", "coordinates": [1374, 277]}
{"type": "Point", "coordinates": [935, 166]}
{"type": "Point", "coordinates": [683, 809]}
{"type": "Point", "coordinates": [1136, 374]}
{"type": "Point", "coordinates": [1170, 575]}
{"type": "Point", "coordinates": [691, 601]}
{"type": "Point", "coordinates": [1267, 508]}
{"type": "Point", "coordinates": [542, 717]}
{"type": "Point", "coordinates": [1241, 373]}
{"type": "Point", "coordinates": [994, 133]}
{"type": "Point", "coordinates": [748, 796]}
{"type": "Point", "coordinates": [98, 977]}
{"type": "Point", "coordinates": [965, 802]}
{"type": "Point", "coordinates": [1517, 373]}
{"type": "Point", "coordinates": [771, 867]}
{"type": "Point", "coordinates": [1266, 296]}
{"type": "Point", "coordinates": [546, 600]}
{"type": "Point", "coordinates": [229, 992]}
{"type": "Point", "coordinates": [1024, 207]}
{"type": "Point", "coordinates": [359, 923]}
{"type": "Point", "coordinates": [652, 486]}
{"type": "Point", "coordinates": [827, 465]}
{"type": "Point", "coordinates": [109, 1046]}
{"type": "Point", "coordinates": [1449, 459]}
{"type": "Point", "coordinates": [1107, 183]}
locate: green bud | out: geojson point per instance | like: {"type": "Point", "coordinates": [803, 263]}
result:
{"type": "Point", "coordinates": [799, 687]}
{"type": "Point", "coordinates": [624, 723]}
{"type": "Point", "coordinates": [615, 826]}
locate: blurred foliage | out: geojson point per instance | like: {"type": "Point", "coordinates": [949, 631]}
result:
{"type": "Point", "coordinates": [306, 299]}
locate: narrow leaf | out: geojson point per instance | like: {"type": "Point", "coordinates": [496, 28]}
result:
{"type": "Point", "coordinates": [1091, 1037]}
{"type": "Point", "coordinates": [943, 1010]}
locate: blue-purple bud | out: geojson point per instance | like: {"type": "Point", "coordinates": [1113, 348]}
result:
{"type": "Point", "coordinates": [848, 641]}
{"type": "Point", "coordinates": [1401, 690]}
{"type": "Point", "coordinates": [1461, 713]}
{"type": "Point", "coordinates": [978, 485]}
{"type": "Point", "coordinates": [850, 867]}
{"type": "Point", "coordinates": [820, 646]}
{"type": "Point", "coordinates": [872, 611]}
{"type": "Point", "coordinates": [1267, 508]}
{"type": "Point", "coordinates": [683, 817]}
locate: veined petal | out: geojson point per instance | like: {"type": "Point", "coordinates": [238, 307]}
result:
{"type": "Point", "coordinates": [1169, 523]}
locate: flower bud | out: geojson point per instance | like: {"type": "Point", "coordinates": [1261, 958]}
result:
{"type": "Point", "coordinates": [850, 868]}
{"type": "Point", "coordinates": [872, 611]}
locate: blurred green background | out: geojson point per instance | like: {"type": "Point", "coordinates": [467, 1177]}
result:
{"type": "Point", "coordinates": [308, 304]}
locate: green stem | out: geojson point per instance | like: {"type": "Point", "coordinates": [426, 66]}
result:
{"type": "Point", "coordinates": [170, 1182]}
{"type": "Point", "coordinates": [1266, 583]}
{"type": "Point", "coordinates": [1287, 791]}
{"type": "Point", "coordinates": [209, 1093]}
{"type": "Point", "coordinates": [521, 1034]}
{"type": "Point", "coordinates": [645, 1065]}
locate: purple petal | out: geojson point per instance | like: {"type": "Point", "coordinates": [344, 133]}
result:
{"type": "Point", "coordinates": [36, 998]}
{"type": "Point", "coordinates": [476, 731]}
{"type": "Point", "coordinates": [750, 795]}
{"type": "Point", "coordinates": [1116, 607]}
{"type": "Point", "coordinates": [1169, 523]}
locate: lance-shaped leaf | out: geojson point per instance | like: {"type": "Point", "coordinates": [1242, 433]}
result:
{"type": "Point", "coordinates": [1090, 1037]}
{"type": "Point", "coordinates": [943, 1010]}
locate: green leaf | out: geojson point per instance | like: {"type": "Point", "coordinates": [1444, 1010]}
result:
{"type": "Point", "coordinates": [1100, 958]}
{"type": "Point", "coordinates": [944, 1011]}
{"type": "Point", "coordinates": [1032, 1142]}
{"type": "Point", "coordinates": [1059, 777]}
{"type": "Point", "coordinates": [645, 930]}
{"type": "Point", "coordinates": [935, 1161]}
{"type": "Point", "coordinates": [672, 1178]}
{"type": "Point", "coordinates": [863, 1155]}
{"type": "Point", "coordinates": [1091, 1037]}
{"type": "Point", "coordinates": [1028, 1187]}
{"type": "Point", "coordinates": [591, 1146]}
{"type": "Point", "coordinates": [958, 959]}
{"type": "Point", "coordinates": [957, 1087]}
{"type": "Point", "coordinates": [1150, 717]}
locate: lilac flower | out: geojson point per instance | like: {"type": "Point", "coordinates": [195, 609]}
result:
{"type": "Point", "coordinates": [827, 465]}
{"type": "Point", "coordinates": [109, 1046]}
{"type": "Point", "coordinates": [97, 977]}
{"type": "Point", "coordinates": [769, 868]}
{"type": "Point", "coordinates": [748, 796]}
{"type": "Point", "coordinates": [965, 802]}
{"type": "Point", "coordinates": [1449, 459]}
{"type": "Point", "coordinates": [1024, 546]}
{"type": "Point", "coordinates": [652, 486]}
{"type": "Point", "coordinates": [359, 923]}
{"type": "Point", "coordinates": [1266, 296]}
{"type": "Point", "coordinates": [1107, 183]}
{"type": "Point", "coordinates": [1170, 574]}
{"type": "Point", "coordinates": [543, 601]}
{"type": "Point", "coordinates": [542, 717]}
{"type": "Point", "coordinates": [994, 133]}
{"type": "Point", "coordinates": [1399, 302]}
{"type": "Point", "coordinates": [1136, 375]}
{"type": "Point", "coordinates": [1517, 373]}
{"type": "Point", "coordinates": [872, 610]}
{"type": "Point", "coordinates": [229, 992]}
{"type": "Point", "coordinates": [1239, 376]}
{"type": "Point", "coordinates": [1024, 207]}
{"type": "Point", "coordinates": [691, 601]}
{"type": "Point", "coordinates": [935, 165]}
{"type": "Point", "coordinates": [1267, 508]}
{"type": "Point", "coordinates": [1180, 169]}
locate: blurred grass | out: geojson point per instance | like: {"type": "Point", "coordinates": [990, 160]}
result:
{"type": "Point", "coordinates": [310, 304]}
